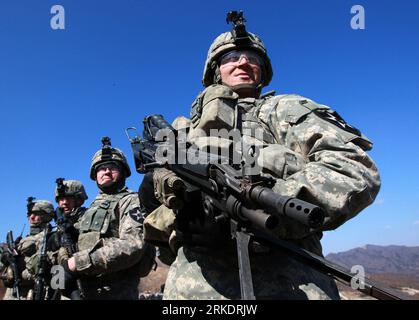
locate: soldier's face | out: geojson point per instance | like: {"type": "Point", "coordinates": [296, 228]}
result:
{"type": "Point", "coordinates": [106, 175]}
{"type": "Point", "coordinates": [67, 204]}
{"type": "Point", "coordinates": [246, 70]}
{"type": "Point", "coordinates": [35, 219]}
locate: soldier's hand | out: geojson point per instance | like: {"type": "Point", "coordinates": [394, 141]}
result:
{"type": "Point", "coordinates": [168, 188]}
{"type": "Point", "coordinates": [17, 240]}
{"type": "Point", "coordinates": [72, 264]}
{"type": "Point", "coordinates": [62, 255]}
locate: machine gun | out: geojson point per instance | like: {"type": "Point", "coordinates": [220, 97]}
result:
{"type": "Point", "coordinates": [9, 256]}
{"type": "Point", "coordinates": [247, 202]}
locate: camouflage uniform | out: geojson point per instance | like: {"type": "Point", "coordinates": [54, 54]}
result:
{"type": "Point", "coordinates": [72, 188]}
{"type": "Point", "coordinates": [112, 255]}
{"type": "Point", "coordinates": [28, 247]}
{"type": "Point", "coordinates": [312, 154]}
{"type": "Point", "coordinates": [56, 253]}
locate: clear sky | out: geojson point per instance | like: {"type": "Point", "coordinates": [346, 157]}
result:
{"type": "Point", "coordinates": [118, 61]}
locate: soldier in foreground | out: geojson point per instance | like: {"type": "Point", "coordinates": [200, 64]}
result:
{"type": "Point", "coordinates": [39, 213]}
{"type": "Point", "coordinates": [310, 151]}
{"type": "Point", "coordinates": [112, 255]}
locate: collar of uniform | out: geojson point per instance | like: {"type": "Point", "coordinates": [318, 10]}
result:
{"type": "Point", "coordinates": [125, 188]}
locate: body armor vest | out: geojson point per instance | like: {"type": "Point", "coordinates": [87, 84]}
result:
{"type": "Point", "coordinates": [101, 220]}
{"type": "Point", "coordinates": [76, 214]}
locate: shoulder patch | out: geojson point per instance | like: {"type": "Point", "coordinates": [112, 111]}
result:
{"type": "Point", "coordinates": [136, 215]}
{"type": "Point", "coordinates": [334, 118]}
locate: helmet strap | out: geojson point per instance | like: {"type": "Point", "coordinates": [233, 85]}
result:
{"type": "Point", "coordinates": [216, 72]}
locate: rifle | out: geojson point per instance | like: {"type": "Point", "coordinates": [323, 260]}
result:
{"type": "Point", "coordinates": [20, 237]}
{"type": "Point", "coordinates": [247, 202]}
{"type": "Point", "coordinates": [41, 287]}
{"type": "Point", "coordinates": [66, 231]}
{"type": "Point", "coordinates": [9, 256]}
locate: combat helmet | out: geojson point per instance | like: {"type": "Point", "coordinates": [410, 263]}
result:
{"type": "Point", "coordinates": [69, 188]}
{"type": "Point", "coordinates": [108, 154]}
{"type": "Point", "coordinates": [43, 208]}
{"type": "Point", "coordinates": [237, 39]}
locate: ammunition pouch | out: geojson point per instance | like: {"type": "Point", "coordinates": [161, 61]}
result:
{"type": "Point", "coordinates": [214, 108]}
{"type": "Point", "coordinates": [97, 220]}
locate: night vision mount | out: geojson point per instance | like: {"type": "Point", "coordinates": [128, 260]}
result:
{"type": "Point", "coordinates": [239, 28]}
{"type": "Point", "coordinates": [60, 187]}
{"type": "Point", "coordinates": [106, 148]}
{"type": "Point", "coordinates": [30, 204]}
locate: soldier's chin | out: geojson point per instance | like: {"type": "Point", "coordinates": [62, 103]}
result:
{"type": "Point", "coordinates": [107, 183]}
{"type": "Point", "coordinates": [244, 90]}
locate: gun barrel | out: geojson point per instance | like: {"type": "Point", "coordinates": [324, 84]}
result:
{"type": "Point", "coordinates": [299, 210]}
{"type": "Point", "coordinates": [259, 218]}
{"type": "Point", "coordinates": [9, 240]}
{"type": "Point", "coordinates": [159, 122]}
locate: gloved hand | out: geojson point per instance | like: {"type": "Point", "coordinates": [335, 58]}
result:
{"type": "Point", "coordinates": [168, 188]}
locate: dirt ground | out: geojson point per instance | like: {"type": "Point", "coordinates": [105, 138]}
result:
{"type": "Point", "coordinates": [2, 290]}
{"type": "Point", "coordinates": [156, 278]}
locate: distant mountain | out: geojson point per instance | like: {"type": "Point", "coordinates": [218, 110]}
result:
{"type": "Point", "coordinates": [381, 259]}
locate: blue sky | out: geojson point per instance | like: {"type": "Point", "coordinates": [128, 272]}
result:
{"type": "Point", "coordinates": [117, 61]}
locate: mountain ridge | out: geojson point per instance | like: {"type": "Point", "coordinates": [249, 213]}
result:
{"type": "Point", "coordinates": [394, 259]}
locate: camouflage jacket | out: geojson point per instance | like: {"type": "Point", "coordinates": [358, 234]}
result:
{"type": "Point", "coordinates": [56, 253]}
{"type": "Point", "coordinates": [307, 147]}
{"type": "Point", "coordinates": [110, 237]}
{"type": "Point", "coordinates": [27, 248]}
{"type": "Point", "coordinates": [313, 154]}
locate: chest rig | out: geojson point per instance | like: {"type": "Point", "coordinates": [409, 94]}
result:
{"type": "Point", "coordinates": [242, 114]}
{"type": "Point", "coordinates": [102, 216]}
{"type": "Point", "coordinates": [249, 122]}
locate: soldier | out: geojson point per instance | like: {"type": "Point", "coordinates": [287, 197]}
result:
{"type": "Point", "coordinates": [40, 213]}
{"type": "Point", "coordinates": [70, 196]}
{"type": "Point", "coordinates": [312, 154]}
{"type": "Point", "coordinates": [112, 255]}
